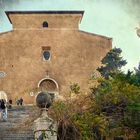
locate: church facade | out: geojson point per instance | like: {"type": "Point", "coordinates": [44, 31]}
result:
{"type": "Point", "coordinates": [47, 51]}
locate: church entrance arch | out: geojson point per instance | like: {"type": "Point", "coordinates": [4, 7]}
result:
{"type": "Point", "coordinates": [3, 95]}
{"type": "Point", "coordinates": [49, 85]}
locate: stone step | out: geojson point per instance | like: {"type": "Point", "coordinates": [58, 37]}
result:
{"type": "Point", "coordinates": [19, 123]}
{"type": "Point", "coordinates": [17, 135]}
{"type": "Point", "coordinates": [20, 116]}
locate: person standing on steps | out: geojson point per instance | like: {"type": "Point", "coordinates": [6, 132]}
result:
{"type": "Point", "coordinates": [21, 101]}
{"type": "Point", "coordinates": [4, 110]}
{"type": "Point", "coordinates": [0, 110]}
{"type": "Point", "coordinates": [17, 102]}
{"type": "Point", "coordinates": [10, 104]}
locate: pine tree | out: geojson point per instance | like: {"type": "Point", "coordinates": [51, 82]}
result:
{"type": "Point", "coordinates": [112, 63]}
{"type": "Point", "coordinates": [137, 75]}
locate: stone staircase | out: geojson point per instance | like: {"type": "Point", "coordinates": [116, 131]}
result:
{"type": "Point", "coordinates": [19, 125]}
{"type": "Point", "coordinates": [17, 135]}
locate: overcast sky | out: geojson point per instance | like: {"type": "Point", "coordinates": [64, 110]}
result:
{"type": "Point", "coordinates": [113, 18]}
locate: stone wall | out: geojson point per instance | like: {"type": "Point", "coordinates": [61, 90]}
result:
{"type": "Point", "coordinates": [75, 55]}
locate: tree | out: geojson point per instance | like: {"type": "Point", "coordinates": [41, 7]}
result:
{"type": "Point", "coordinates": [137, 75]}
{"type": "Point", "coordinates": [112, 63]}
{"type": "Point", "coordinates": [118, 99]}
{"type": "Point", "coordinates": [76, 119]}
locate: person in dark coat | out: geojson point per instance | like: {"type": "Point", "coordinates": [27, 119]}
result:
{"type": "Point", "coordinates": [3, 104]}
{"type": "Point", "coordinates": [21, 101]}
{"type": "Point", "coordinates": [0, 110]}
{"type": "Point", "coordinates": [4, 112]}
{"type": "Point", "coordinates": [10, 103]}
{"type": "Point", "coordinates": [0, 104]}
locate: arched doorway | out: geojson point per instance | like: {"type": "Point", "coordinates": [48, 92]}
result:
{"type": "Point", "coordinates": [3, 95]}
{"type": "Point", "coordinates": [49, 85]}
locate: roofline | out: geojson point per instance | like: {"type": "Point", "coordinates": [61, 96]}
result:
{"type": "Point", "coordinates": [44, 12]}
{"type": "Point", "coordinates": [109, 38]}
{"type": "Point", "coordinates": [5, 32]}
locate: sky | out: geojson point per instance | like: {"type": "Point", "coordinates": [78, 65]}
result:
{"type": "Point", "coordinates": [113, 18]}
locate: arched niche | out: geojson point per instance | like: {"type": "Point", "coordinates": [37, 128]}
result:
{"type": "Point", "coordinates": [49, 85]}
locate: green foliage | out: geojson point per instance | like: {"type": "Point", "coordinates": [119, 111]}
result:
{"type": "Point", "coordinates": [132, 116]}
{"type": "Point", "coordinates": [112, 109]}
{"type": "Point", "coordinates": [137, 75]}
{"type": "Point", "coordinates": [43, 135]}
{"type": "Point", "coordinates": [118, 98]}
{"type": "Point", "coordinates": [137, 136]}
{"type": "Point", "coordinates": [112, 63]}
{"type": "Point", "coordinates": [90, 125]}
{"type": "Point", "coordinates": [76, 120]}
{"type": "Point", "coordinates": [118, 88]}
{"type": "Point", "coordinates": [75, 88]}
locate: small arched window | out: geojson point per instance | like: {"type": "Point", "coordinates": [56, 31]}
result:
{"type": "Point", "coordinates": [45, 24]}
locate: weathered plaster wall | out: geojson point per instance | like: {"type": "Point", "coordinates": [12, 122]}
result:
{"type": "Point", "coordinates": [74, 56]}
{"type": "Point", "coordinates": [35, 20]}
